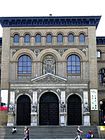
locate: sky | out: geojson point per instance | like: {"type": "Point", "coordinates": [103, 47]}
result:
{"type": "Point", "coordinates": [10, 8]}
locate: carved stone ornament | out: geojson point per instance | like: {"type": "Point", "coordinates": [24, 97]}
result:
{"type": "Point", "coordinates": [30, 91]}
{"type": "Point", "coordinates": [86, 107]}
{"type": "Point", "coordinates": [36, 51]}
{"type": "Point", "coordinates": [17, 91]}
{"type": "Point", "coordinates": [49, 78]}
{"type": "Point", "coordinates": [49, 64]}
{"type": "Point", "coordinates": [11, 107]}
{"type": "Point", "coordinates": [63, 107]}
{"type": "Point", "coordinates": [34, 107]}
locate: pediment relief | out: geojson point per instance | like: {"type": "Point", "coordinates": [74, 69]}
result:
{"type": "Point", "coordinates": [49, 78]}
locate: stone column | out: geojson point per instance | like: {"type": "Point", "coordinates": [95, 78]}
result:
{"type": "Point", "coordinates": [65, 40]}
{"type": "Point", "coordinates": [34, 113]}
{"type": "Point", "coordinates": [63, 113]}
{"type": "Point", "coordinates": [32, 41]}
{"type": "Point", "coordinates": [12, 111]}
{"type": "Point", "coordinates": [54, 40]}
{"type": "Point", "coordinates": [86, 113]}
{"type": "Point", "coordinates": [76, 40]}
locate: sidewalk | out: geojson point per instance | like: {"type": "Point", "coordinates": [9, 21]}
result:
{"type": "Point", "coordinates": [51, 139]}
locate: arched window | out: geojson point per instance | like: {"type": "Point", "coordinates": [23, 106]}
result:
{"type": "Point", "coordinates": [82, 38]}
{"type": "Point", "coordinates": [27, 38]}
{"type": "Point", "coordinates": [73, 64]}
{"type": "Point", "coordinates": [70, 38]}
{"type": "Point", "coordinates": [102, 75]}
{"type": "Point", "coordinates": [24, 67]}
{"type": "Point", "coordinates": [49, 64]}
{"type": "Point", "coordinates": [16, 38]}
{"type": "Point", "coordinates": [60, 38]}
{"type": "Point", "coordinates": [38, 38]}
{"type": "Point", "coordinates": [49, 38]}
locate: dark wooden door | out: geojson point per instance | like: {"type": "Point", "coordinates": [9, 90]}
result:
{"type": "Point", "coordinates": [74, 111]}
{"type": "Point", "coordinates": [49, 109]}
{"type": "Point", "coordinates": [23, 110]}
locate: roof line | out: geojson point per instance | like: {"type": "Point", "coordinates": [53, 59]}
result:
{"type": "Point", "coordinates": [50, 21]}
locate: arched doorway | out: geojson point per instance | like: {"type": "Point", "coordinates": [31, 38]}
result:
{"type": "Point", "coordinates": [74, 110]}
{"type": "Point", "coordinates": [49, 109]}
{"type": "Point", "coordinates": [23, 110]}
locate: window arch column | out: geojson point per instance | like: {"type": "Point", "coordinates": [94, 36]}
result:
{"type": "Point", "coordinates": [21, 40]}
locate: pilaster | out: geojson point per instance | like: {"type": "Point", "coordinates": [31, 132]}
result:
{"type": "Point", "coordinates": [86, 113]}
{"type": "Point", "coordinates": [63, 113]}
{"type": "Point", "coordinates": [34, 113]}
{"type": "Point", "coordinates": [12, 110]}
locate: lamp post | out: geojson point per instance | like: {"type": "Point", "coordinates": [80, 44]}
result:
{"type": "Point", "coordinates": [101, 113]}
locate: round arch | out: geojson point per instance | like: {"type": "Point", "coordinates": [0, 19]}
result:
{"type": "Point", "coordinates": [46, 92]}
{"type": "Point", "coordinates": [71, 32]}
{"type": "Point", "coordinates": [75, 94]}
{"type": "Point", "coordinates": [23, 114]}
{"type": "Point", "coordinates": [27, 33]}
{"type": "Point", "coordinates": [37, 33]}
{"type": "Point", "coordinates": [81, 32]}
{"type": "Point", "coordinates": [23, 94]}
{"type": "Point", "coordinates": [74, 108]}
{"type": "Point", "coordinates": [47, 52]}
{"type": "Point", "coordinates": [47, 33]}
{"type": "Point", "coordinates": [23, 51]}
{"type": "Point", "coordinates": [49, 109]}
{"type": "Point", "coordinates": [62, 33]}
{"type": "Point", "coordinates": [74, 51]}
{"type": "Point", "coordinates": [15, 33]}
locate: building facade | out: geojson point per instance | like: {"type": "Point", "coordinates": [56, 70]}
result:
{"type": "Point", "coordinates": [52, 70]}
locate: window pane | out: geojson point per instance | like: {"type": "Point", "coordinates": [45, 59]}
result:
{"type": "Point", "coordinates": [78, 68]}
{"type": "Point", "coordinates": [82, 38]}
{"type": "Point", "coordinates": [27, 38]}
{"type": "Point", "coordinates": [20, 63]}
{"type": "Point", "coordinates": [16, 38]}
{"type": "Point", "coordinates": [49, 38]}
{"type": "Point", "coordinates": [73, 64]}
{"type": "Point", "coordinates": [60, 38]}
{"type": "Point", "coordinates": [71, 38]}
{"type": "Point", "coordinates": [38, 38]}
{"type": "Point", "coordinates": [28, 63]}
{"type": "Point", "coordinates": [24, 66]}
{"type": "Point", "coordinates": [19, 69]}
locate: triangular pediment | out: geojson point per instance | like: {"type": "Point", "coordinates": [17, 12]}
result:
{"type": "Point", "coordinates": [49, 78]}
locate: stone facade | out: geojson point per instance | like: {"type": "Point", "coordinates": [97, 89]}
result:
{"type": "Point", "coordinates": [56, 79]}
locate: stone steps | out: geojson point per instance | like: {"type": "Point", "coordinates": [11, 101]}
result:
{"type": "Point", "coordinates": [46, 132]}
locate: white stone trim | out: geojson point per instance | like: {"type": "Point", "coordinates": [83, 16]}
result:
{"type": "Point", "coordinates": [48, 74]}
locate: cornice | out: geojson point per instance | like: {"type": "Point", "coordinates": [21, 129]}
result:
{"type": "Point", "coordinates": [49, 21]}
{"type": "Point", "coordinates": [100, 40]}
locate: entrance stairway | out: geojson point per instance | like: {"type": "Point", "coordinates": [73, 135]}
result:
{"type": "Point", "coordinates": [47, 132]}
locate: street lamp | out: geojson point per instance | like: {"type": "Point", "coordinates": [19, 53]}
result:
{"type": "Point", "coordinates": [101, 113]}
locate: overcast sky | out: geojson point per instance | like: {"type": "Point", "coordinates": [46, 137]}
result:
{"type": "Point", "coordinates": [56, 8]}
